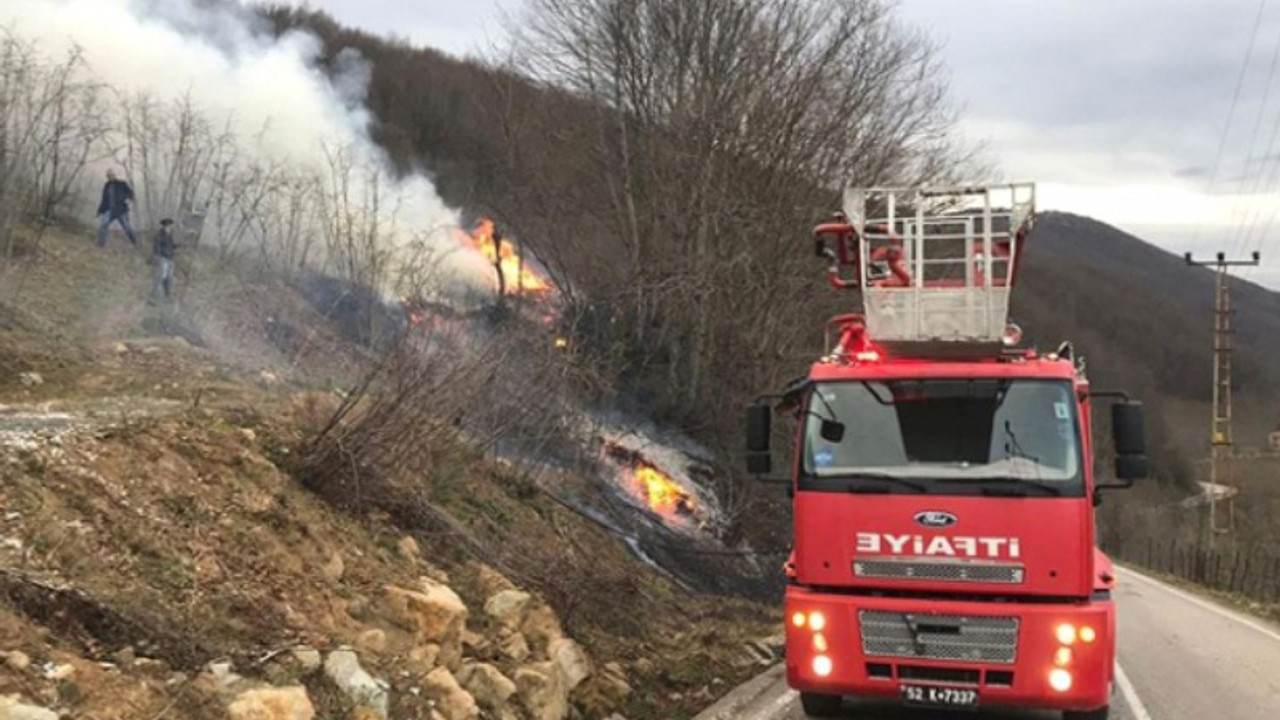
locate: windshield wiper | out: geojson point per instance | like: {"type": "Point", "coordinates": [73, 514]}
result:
{"type": "Point", "coordinates": [886, 477]}
{"type": "Point", "coordinates": [1007, 481]}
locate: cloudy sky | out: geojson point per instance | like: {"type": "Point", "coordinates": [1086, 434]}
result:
{"type": "Point", "coordinates": [1116, 109]}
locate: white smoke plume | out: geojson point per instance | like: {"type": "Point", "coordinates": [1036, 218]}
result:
{"type": "Point", "coordinates": [279, 105]}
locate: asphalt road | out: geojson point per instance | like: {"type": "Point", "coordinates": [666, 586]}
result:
{"type": "Point", "coordinates": [1181, 658]}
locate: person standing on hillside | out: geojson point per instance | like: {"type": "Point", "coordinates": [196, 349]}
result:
{"type": "Point", "coordinates": [162, 252]}
{"type": "Point", "coordinates": [116, 197]}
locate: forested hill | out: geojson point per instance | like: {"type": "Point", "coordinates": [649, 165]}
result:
{"type": "Point", "coordinates": [501, 144]}
{"type": "Point", "coordinates": [1144, 320]}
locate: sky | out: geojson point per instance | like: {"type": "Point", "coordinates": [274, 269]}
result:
{"type": "Point", "coordinates": [1121, 110]}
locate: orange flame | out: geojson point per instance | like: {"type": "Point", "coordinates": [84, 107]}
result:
{"type": "Point", "coordinates": [664, 495]}
{"type": "Point", "coordinates": [517, 277]}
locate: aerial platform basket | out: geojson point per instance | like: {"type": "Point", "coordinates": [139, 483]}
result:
{"type": "Point", "coordinates": [936, 265]}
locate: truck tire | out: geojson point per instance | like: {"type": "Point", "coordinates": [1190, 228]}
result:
{"type": "Point", "coordinates": [821, 706]}
{"type": "Point", "coordinates": [1101, 713]}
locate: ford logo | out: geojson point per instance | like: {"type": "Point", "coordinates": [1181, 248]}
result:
{"type": "Point", "coordinates": [935, 519]}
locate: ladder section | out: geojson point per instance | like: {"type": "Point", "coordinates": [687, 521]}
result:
{"type": "Point", "coordinates": [938, 264]}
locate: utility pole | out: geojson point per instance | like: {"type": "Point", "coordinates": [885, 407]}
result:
{"type": "Point", "coordinates": [1220, 439]}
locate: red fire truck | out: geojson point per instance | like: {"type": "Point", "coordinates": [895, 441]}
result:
{"type": "Point", "coordinates": [943, 481]}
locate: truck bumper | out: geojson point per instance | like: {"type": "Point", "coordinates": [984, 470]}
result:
{"type": "Point", "coordinates": [949, 643]}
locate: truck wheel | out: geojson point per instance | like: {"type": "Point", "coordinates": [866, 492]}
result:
{"type": "Point", "coordinates": [820, 706]}
{"type": "Point", "coordinates": [1100, 714]}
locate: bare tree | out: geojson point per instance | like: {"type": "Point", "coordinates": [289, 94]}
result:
{"type": "Point", "coordinates": [721, 129]}
{"type": "Point", "coordinates": [50, 127]}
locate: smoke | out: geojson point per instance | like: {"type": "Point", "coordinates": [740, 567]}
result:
{"type": "Point", "coordinates": [279, 104]}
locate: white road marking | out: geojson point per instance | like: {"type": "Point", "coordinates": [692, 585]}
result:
{"type": "Point", "coordinates": [1131, 695]}
{"type": "Point", "coordinates": [1204, 604]}
{"type": "Point", "coordinates": [787, 698]}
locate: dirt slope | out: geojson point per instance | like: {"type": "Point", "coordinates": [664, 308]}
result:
{"type": "Point", "coordinates": [151, 531]}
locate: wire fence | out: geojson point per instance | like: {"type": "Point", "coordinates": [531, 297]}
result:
{"type": "Point", "coordinates": [1251, 571]}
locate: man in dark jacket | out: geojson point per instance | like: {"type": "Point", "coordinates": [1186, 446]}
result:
{"type": "Point", "coordinates": [116, 196]}
{"type": "Point", "coordinates": [162, 252]}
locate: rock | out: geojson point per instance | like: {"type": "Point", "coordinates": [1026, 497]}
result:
{"type": "Point", "coordinates": [11, 709]}
{"type": "Point", "coordinates": [124, 657]}
{"type": "Point", "coordinates": [422, 659]}
{"type": "Point", "coordinates": [541, 627]}
{"type": "Point", "coordinates": [450, 699]}
{"type": "Point", "coordinates": [542, 691]}
{"type": "Point", "coordinates": [508, 607]}
{"type": "Point", "coordinates": [30, 379]}
{"type": "Point", "coordinates": [603, 692]}
{"type": "Point", "coordinates": [644, 667]}
{"type": "Point", "coordinates": [487, 684]}
{"type": "Point", "coordinates": [372, 641]}
{"type": "Point", "coordinates": [59, 672]}
{"type": "Point", "coordinates": [334, 569]}
{"type": "Point", "coordinates": [473, 641]}
{"type": "Point", "coordinates": [223, 673]}
{"type": "Point", "coordinates": [615, 682]}
{"type": "Point", "coordinates": [308, 658]}
{"type": "Point", "coordinates": [572, 662]}
{"type": "Point", "coordinates": [248, 435]}
{"type": "Point", "coordinates": [343, 668]}
{"type": "Point", "coordinates": [616, 716]}
{"type": "Point", "coordinates": [436, 615]}
{"type": "Point", "coordinates": [512, 645]}
{"type": "Point", "coordinates": [17, 660]}
{"type": "Point", "coordinates": [360, 608]}
{"type": "Point", "coordinates": [120, 348]}
{"type": "Point", "coordinates": [290, 703]}
{"type": "Point", "coordinates": [408, 548]}
{"type": "Point", "coordinates": [491, 581]}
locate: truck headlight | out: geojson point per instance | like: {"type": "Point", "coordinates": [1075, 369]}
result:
{"type": "Point", "coordinates": [822, 666]}
{"type": "Point", "coordinates": [1060, 680]}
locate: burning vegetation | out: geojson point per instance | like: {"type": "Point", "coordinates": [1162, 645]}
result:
{"type": "Point", "coordinates": [663, 494]}
{"type": "Point", "coordinates": [649, 484]}
{"type": "Point", "coordinates": [516, 276]}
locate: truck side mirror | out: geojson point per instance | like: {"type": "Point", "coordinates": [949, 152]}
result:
{"type": "Point", "coordinates": [1129, 434]}
{"type": "Point", "coordinates": [759, 434]}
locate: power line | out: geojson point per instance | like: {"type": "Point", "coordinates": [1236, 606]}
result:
{"type": "Point", "coordinates": [1231, 113]}
{"type": "Point", "coordinates": [1244, 229]}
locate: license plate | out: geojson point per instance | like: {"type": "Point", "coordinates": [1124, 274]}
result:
{"type": "Point", "coordinates": [939, 696]}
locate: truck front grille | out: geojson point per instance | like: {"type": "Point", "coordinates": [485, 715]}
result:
{"type": "Point", "coordinates": [942, 571]}
{"type": "Point", "coordinates": [939, 637]}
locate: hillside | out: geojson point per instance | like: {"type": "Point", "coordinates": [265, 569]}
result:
{"type": "Point", "coordinates": [1144, 320]}
{"type": "Point", "coordinates": [160, 555]}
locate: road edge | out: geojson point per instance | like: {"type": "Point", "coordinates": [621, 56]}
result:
{"type": "Point", "coordinates": [1256, 624]}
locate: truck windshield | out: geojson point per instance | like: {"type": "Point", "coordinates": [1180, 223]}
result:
{"type": "Point", "coordinates": [1016, 437]}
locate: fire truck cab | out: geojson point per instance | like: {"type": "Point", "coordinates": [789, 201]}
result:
{"type": "Point", "coordinates": [943, 479]}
